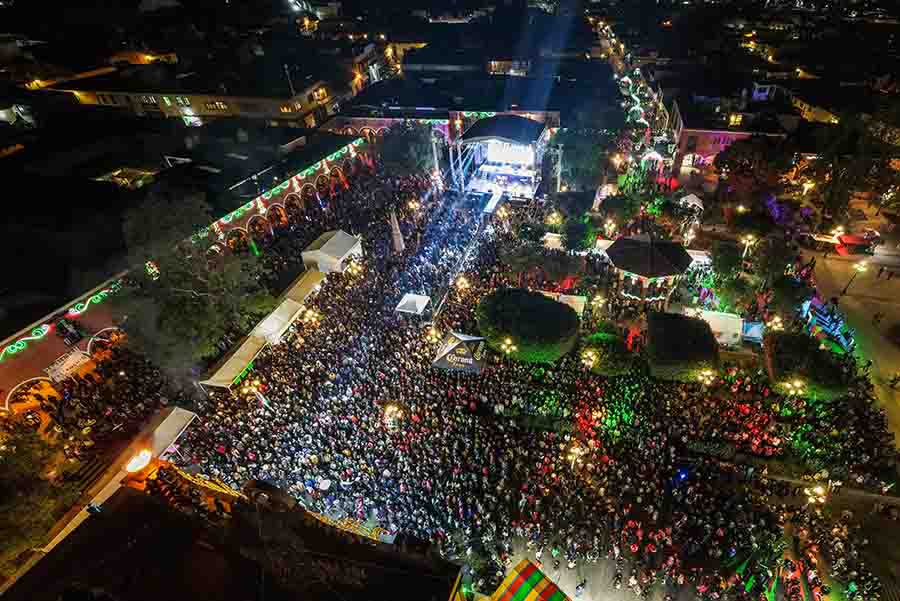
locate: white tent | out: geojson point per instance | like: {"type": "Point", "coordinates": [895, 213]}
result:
{"type": "Point", "coordinates": [413, 303]}
{"type": "Point", "coordinates": [276, 323]}
{"type": "Point", "coordinates": [224, 373]}
{"type": "Point", "coordinates": [170, 430]}
{"type": "Point", "coordinates": [692, 200]}
{"type": "Point", "coordinates": [67, 364]}
{"type": "Point", "coordinates": [700, 257]}
{"type": "Point", "coordinates": [726, 327]}
{"type": "Point", "coordinates": [332, 250]}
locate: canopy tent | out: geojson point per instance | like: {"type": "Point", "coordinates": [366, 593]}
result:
{"type": "Point", "coordinates": [305, 285]}
{"type": "Point", "coordinates": [526, 582]}
{"type": "Point", "coordinates": [461, 352]}
{"type": "Point", "coordinates": [225, 373]}
{"type": "Point", "coordinates": [413, 303]}
{"type": "Point", "coordinates": [726, 327]}
{"type": "Point", "coordinates": [692, 201]}
{"type": "Point", "coordinates": [647, 257]}
{"type": "Point", "coordinates": [276, 323]}
{"type": "Point", "coordinates": [331, 251]}
{"type": "Point", "coordinates": [511, 129]}
{"type": "Point", "coordinates": [699, 258]}
{"type": "Point", "coordinates": [173, 425]}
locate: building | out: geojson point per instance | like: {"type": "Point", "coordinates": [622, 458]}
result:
{"type": "Point", "coordinates": [163, 91]}
{"type": "Point", "coordinates": [702, 130]}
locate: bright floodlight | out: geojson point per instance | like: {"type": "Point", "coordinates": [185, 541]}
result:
{"type": "Point", "coordinates": [516, 154]}
{"type": "Point", "coordinates": [139, 461]}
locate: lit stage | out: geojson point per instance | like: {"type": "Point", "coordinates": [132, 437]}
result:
{"type": "Point", "coordinates": [504, 156]}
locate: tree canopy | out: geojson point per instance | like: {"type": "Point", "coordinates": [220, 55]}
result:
{"type": "Point", "coordinates": [680, 347]}
{"type": "Point", "coordinates": [542, 329]}
{"type": "Point", "coordinates": [406, 148]}
{"type": "Point", "coordinates": [578, 235]}
{"type": "Point", "coordinates": [584, 156]}
{"type": "Point", "coordinates": [161, 221]}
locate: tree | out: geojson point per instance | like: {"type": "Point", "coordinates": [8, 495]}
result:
{"type": "Point", "coordinates": [542, 329]}
{"type": "Point", "coordinates": [726, 259]}
{"type": "Point", "coordinates": [578, 235]}
{"type": "Point", "coordinates": [29, 502]}
{"type": "Point", "coordinates": [611, 356]}
{"type": "Point", "coordinates": [178, 319]}
{"type": "Point", "coordinates": [162, 220]}
{"type": "Point", "coordinates": [771, 258]}
{"type": "Point", "coordinates": [406, 149]}
{"type": "Point", "coordinates": [795, 356]}
{"type": "Point", "coordinates": [680, 347]}
{"type": "Point", "coordinates": [574, 204]}
{"type": "Point", "coordinates": [754, 163]}
{"type": "Point", "coordinates": [584, 156]}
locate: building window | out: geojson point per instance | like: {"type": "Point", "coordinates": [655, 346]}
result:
{"type": "Point", "coordinates": [310, 121]}
{"type": "Point", "coordinates": [167, 101]}
{"type": "Point", "coordinates": [734, 119]}
{"type": "Point", "coordinates": [691, 143]}
{"type": "Point", "coordinates": [286, 108]}
{"type": "Point", "coordinates": [149, 100]}
{"type": "Point", "coordinates": [182, 101]}
{"type": "Point", "coordinates": [217, 105]}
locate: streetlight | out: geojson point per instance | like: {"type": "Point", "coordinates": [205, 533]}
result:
{"type": "Point", "coordinates": [433, 336]}
{"type": "Point", "coordinates": [139, 461]}
{"type": "Point", "coordinates": [554, 218]}
{"type": "Point", "coordinates": [354, 268]}
{"type": "Point", "coordinates": [589, 358]}
{"type": "Point", "coordinates": [741, 209]}
{"type": "Point", "coordinates": [858, 269]}
{"type": "Point", "coordinates": [748, 240]}
{"type": "Point", "coordinates": [775, 324]}
{"type": "Point", "coordinates": [807, 186]}
{"type": "Point", "coordinates": [609, 227]}
{"type": "Point", "coordinates": [311, 317]}
{"type": "Point", "coordinates": [575, 454]}
{"type": "Point", "coordinates": [508, 347]}
{"type": "Point", "coordinates": [795, 388]}
{"type": "Point", "coordinates": [816, 494]}
{"type": "Point", "coordinates": [706, 377]}
{"type": "Point", "coordinates": [392, 415]}
{"type": "Point", "coordinates": [462, 283]}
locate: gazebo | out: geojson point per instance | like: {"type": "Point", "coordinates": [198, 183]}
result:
{"type": "Point", "coordinates": [648, 269]}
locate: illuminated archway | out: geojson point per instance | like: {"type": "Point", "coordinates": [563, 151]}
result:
{"type": "Point", "coordinates": [259, 228]}
{"type": "Point", "coordinates": [368, 134]}
{"type": "Point", "coordinates": [323, 183]}
{"type": "Point", "coordinates": [237, 239]}
{"type": "Point", "coordinates": [277, 216]}
{"type": "Point", "coordinates": [293, 204]}
{"type": "Point", "coordinates": [349, 131]}
{"type": "Point", "coordinates": [381, 131]}
{"type": "Point", "coordinates": [106, 338]}
{"type": "Point", "coordinates": [29, 381]}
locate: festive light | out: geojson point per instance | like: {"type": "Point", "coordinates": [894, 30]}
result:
{"type": "Point", "coordinates": [794, 388]}
{"type": "Point", "coordinates": [589, 358]}
{"type": "Point", "coordinates": [807, 186]}
{"type": "Point", "coordinates": [79, 308]}
{"type": "Point", "coordinates": [554, 218]}
{"type": "Point", "coordinates": [741, 209]}
{"type": "Point", "coordinates": [311, 317]}
{"type": "Point", "coordinates": [462, 283]}
{"type": "Point", "coordinates": [22, 343]}
{"type": "Point", "coordinates": [706, 377]}
{"type": "Point", "coordinates": [508, 347]}
{"type": "Point", "coordinates": [433, 336]}
{"type": "Point", "coordinates": [775, 324]}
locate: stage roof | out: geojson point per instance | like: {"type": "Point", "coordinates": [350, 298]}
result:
{"type": "Point", "coordinates": [645, 256]}
{"type": "Point", "coordinates": [506, 128]}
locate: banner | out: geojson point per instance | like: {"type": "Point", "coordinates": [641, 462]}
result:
{"type": "Point", "coordinates": [460, 352]}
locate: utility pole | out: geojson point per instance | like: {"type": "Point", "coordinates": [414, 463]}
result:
{"type": "Point", "coordinates": [290, 82]}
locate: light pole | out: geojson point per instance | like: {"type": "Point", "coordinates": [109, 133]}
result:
{"type": "Point", "coordinates": [858, 269]}
{"type": "Point", "coordinates": [508, 347]}
{"type": "Point", "coordinates": [748, 240]}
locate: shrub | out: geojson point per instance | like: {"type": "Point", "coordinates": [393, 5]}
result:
{"type": "Point", "coordinates": [680, 347]}
{"type": "Point", "coordinates": [613, 358]}
{"type": "Point", "coordinates": [797, 356]}
{"type": "Point", "coordinates": [542, 329]}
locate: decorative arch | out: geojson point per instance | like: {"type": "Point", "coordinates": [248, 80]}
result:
{"type": "Point", "coordinates": [237, 239]}
{"type": "Point", "coordinates": [12, 391]}
{"type": "Point", "coordinates": [381, 131]}
{"type": "Point", "coordinates": [259, 228]}
{"type": "Point", "coordinates": [368, 133]}
{"type": "Point", "coordinates": [293, 204]}
{"type": "Point", "coordinates": [97, 336]}
{"type": "Point", "coordinates": [349, 131]}
{"type": "Point", "coordinates": [277, 215]}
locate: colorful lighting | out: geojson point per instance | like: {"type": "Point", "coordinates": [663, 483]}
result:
{"type": "Point", "coordinates": [22, 343]}
{"type": "Point", "coordinates": [80, 308]}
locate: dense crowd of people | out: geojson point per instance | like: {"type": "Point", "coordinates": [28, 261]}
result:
{"type": "Point", "coordinates": [356, 422]}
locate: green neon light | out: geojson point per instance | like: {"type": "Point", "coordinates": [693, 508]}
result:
{"type": "Point", "coordinates": [22, 343]}
{"type": "Point", "coordinates": [243, 374]}
{"type": "Point", "coordinates": [79, 308]}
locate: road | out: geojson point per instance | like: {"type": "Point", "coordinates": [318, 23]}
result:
{"type": "Point", "coordinates": [866, 296]}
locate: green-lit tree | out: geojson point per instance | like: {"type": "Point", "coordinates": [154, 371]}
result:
{"type": "Point", "coordinates": [578, 235]}
{"type": "Point", "coordinates": [754, 163]}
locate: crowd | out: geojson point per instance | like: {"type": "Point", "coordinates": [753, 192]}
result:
{"type": "Point", "coordinates": [354, 422]}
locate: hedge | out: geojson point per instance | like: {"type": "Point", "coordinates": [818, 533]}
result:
{"type": "Point", "coordinates": [613, 358]}
{"type": "Point", "coordinates": [680, 347]}
{"type": "Point", "coordinates": [796, 355]}
{"type": "Point", "coordinates": [542, 329]}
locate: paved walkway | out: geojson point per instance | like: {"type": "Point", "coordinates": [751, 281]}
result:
{"type": "Point", "coordinates": [866, 296]}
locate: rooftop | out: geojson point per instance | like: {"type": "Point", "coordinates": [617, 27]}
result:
{"type": "Point", "coordinates": [506, 128]}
